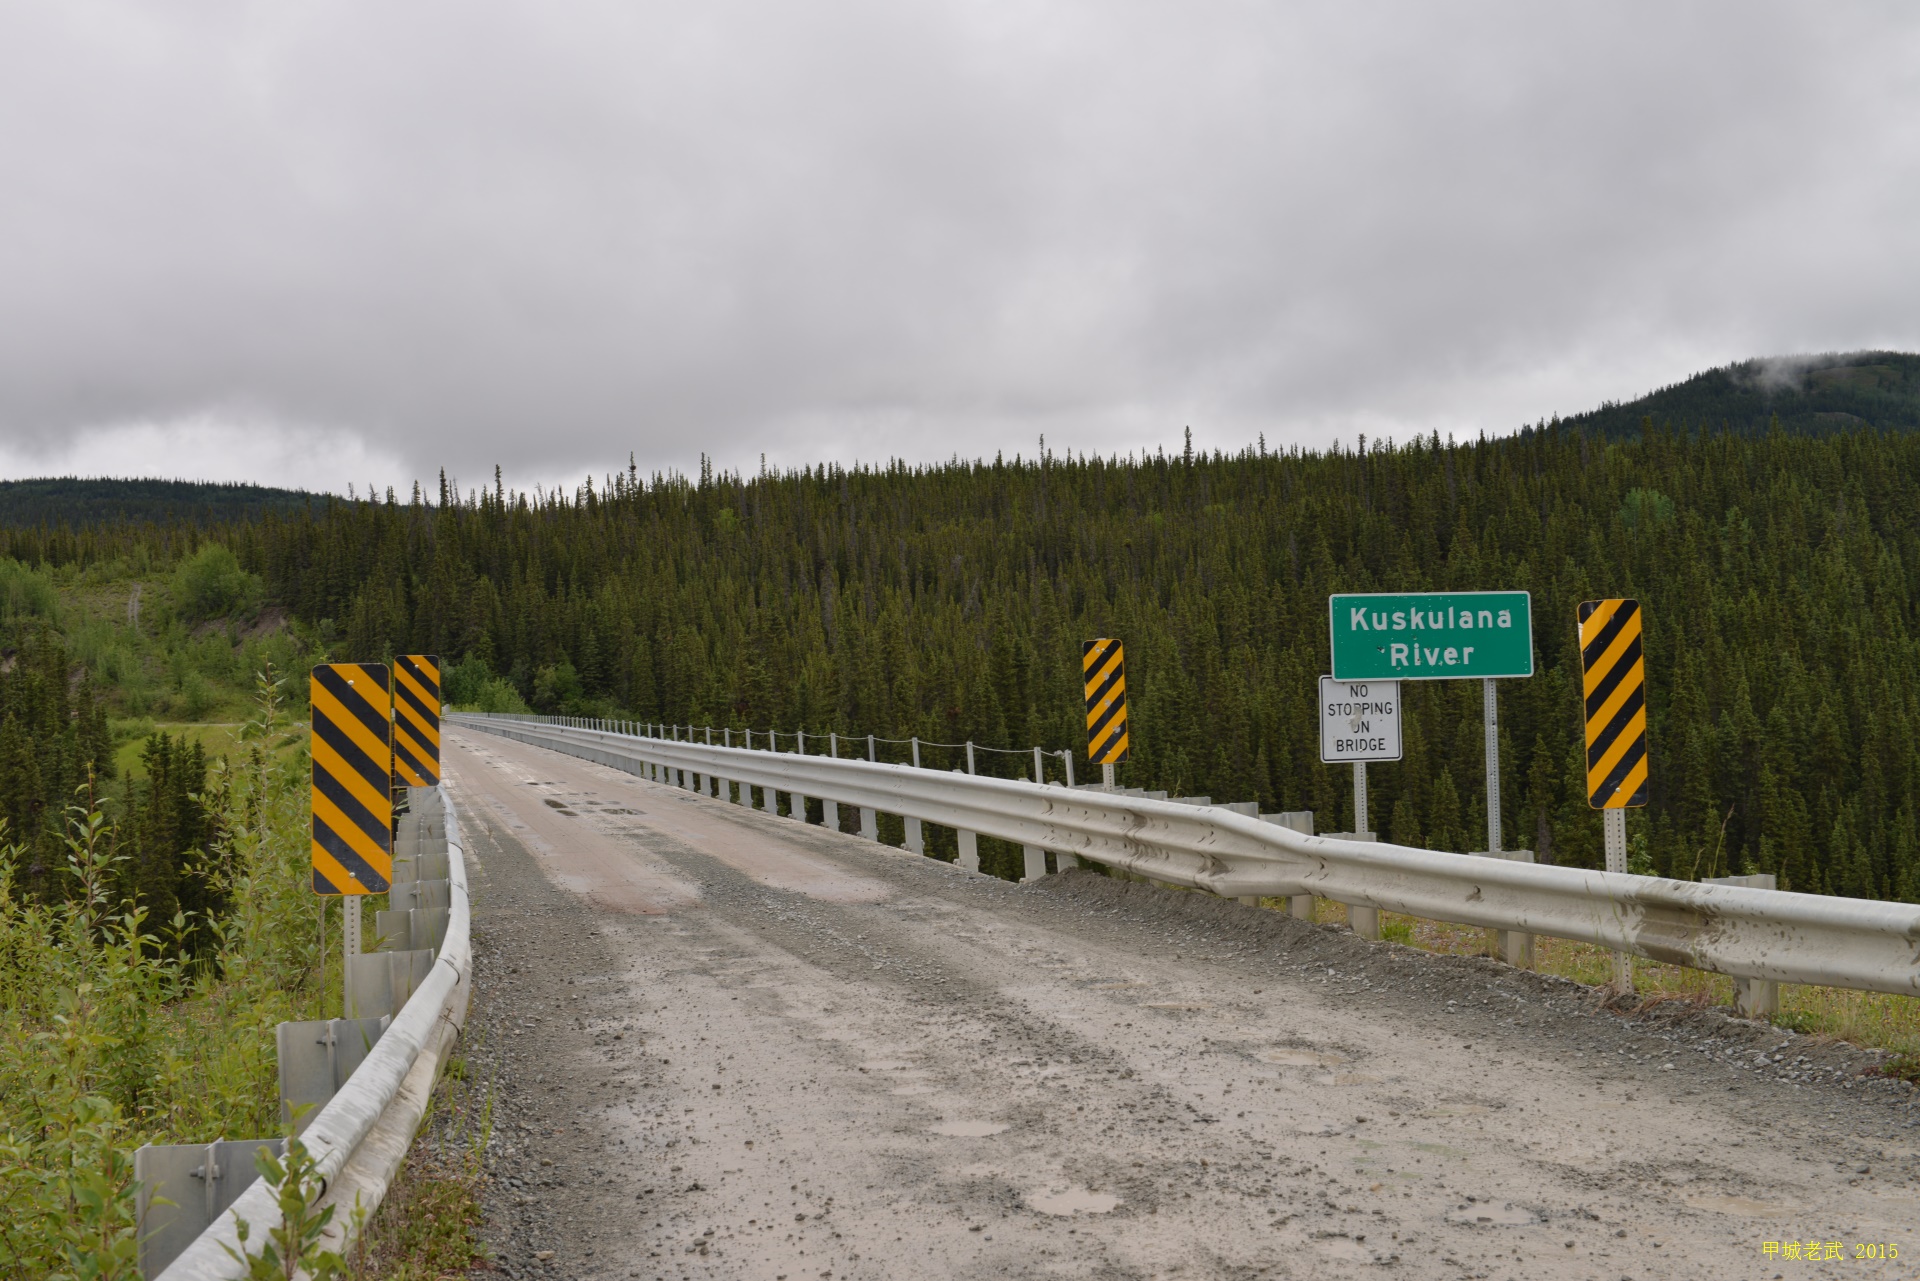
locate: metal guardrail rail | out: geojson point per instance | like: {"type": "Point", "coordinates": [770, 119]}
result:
{"type": "Point", "coordinates": [1759, 934]}
{"type": "Point", "coordinates": [360, 1137]}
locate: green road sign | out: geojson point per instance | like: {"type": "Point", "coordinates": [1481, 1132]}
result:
{"type": "Point", "coordinates": [1431, 636]}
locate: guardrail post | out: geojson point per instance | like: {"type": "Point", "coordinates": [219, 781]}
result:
{"type": "Point", "coordinates": [1754, 998]}
{"type": "Point", "coordinates": [1515, 947]}
{"type": "Point", "coordinates": [869, 819]}
{"type": "Point", "coordinates": [1036, 863]}
{"type": "Point", "coordinates": [1299, 906]}
{"type": "Point", "coordinates": [796, 802]}
{"type": "Point", "coordinates": [830, 810]}
{"type": "Point", "coordinates": [969, 857]}
{"type": "Point", "coordinates": [914, 843]}
{"type": "Point", "coordinates": [1036, 858]}
{"type": "Point", "coordinates": [1364, 920]}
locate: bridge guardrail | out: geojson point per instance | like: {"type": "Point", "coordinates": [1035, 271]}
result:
{"type": "Point", "coordinates": [360, 1137]}
{"type": "Point", "coordinates": [1747, 933]}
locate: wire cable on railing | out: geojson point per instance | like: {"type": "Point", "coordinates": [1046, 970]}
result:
{"type": "Point", "coordinates": [751, 739]}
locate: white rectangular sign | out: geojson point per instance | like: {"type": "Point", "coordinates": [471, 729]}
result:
{"type": "Point", "coordinates": [1359, 720]}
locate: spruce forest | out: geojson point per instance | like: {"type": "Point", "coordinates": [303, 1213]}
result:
{"type": "Point", "coordinates": [1779, 574]}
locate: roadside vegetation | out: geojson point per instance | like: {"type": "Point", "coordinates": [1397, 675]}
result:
{"type": "Point", "coordinates": [120, 1027]}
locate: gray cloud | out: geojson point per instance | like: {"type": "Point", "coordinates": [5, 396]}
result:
{"type": "Point", "coordinates": [309, 243]}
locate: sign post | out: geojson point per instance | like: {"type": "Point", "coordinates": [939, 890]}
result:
{"type": "Point", "coordinates": [1359, 722]}
{"type": "Point", "coordinates": [1613, 678]}
{"type": "Point", "coordinates": [352, 751]}
{"type": "Point", "coordinates": [1436, 636]}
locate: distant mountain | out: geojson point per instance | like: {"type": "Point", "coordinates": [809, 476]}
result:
{"type": "Point", "coordinates": [1813, 395]}
{"type": "Point", "coordinates": [72, 500]}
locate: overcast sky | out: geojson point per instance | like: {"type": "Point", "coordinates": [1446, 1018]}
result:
{"type": "Point", "coordinates": [321, 243]}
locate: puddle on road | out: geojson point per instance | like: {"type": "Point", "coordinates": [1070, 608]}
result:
{"type": "Point", "coordinates": [1722, 1204]}
{"type": "Point", "coordinates": [969, 1129]}
{"type": "Point", "coordinates": [1071, 1199]}
{"type": "Point", "coordinates": [1490, 1216]}
{"type": "Point", "coordinates": [1349, 1078]}
{"type": "Point", "coordinates": [1345, 1249]}
{"type": "Point", "coordinates": [1300, 1058]}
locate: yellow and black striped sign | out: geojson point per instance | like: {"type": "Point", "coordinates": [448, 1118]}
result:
{"type": "Point", "coordinates": [416, 719]}
{"type": "Point", "coordinates": [1615, 683]}
{"type": "Point", "coordinates": [352, 767]}
{"type": "Point", "coordinates": [1104, 664]}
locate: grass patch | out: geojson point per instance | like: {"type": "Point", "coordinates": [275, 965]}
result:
{"type": "Point", "coordinates": [428, 1227]}
{"type": "Point", "coordinates": [220, 738]}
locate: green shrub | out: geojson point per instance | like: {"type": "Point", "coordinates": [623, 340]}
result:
{"type": "Point", "coordinates": [197, 697]}
{"type": "Point", "coordinates": [24, 592]}
{"type": "Point", "coordinates": [497, 695]}
{"type": "Point", "coordinates": [556, 688]}
{"type": "Point", "coordinates": [211, 584]}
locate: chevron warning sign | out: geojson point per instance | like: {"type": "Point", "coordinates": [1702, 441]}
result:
{"type": "Point", "coordinates": [1104, 664]}
{"type": "Point", "coordinates": [1615, 684]}
{"type": "Point", "coordinates": [352, 761]}
{"type": "Point", "coordinates": [416, 719]}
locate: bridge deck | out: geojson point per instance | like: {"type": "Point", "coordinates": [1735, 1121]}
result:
{"type": "Point", "coordinates": [759, 1050]}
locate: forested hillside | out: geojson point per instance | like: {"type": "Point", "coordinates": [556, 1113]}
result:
{"type": "Point", "coordinates": [1778, 575]}
{"type": "Point", "coordinates": [1812, 395]}
{"type": "Point", "coordinates": [99, 667]}
{"type": "Point", "coordinates": [74, 500]}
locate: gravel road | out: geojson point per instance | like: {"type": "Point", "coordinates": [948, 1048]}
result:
{"type": "Point", "coordinates": [727, 1045]}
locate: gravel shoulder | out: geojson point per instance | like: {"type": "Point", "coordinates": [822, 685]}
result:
{"type": "Point", "coordinates": [726, 1045]}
